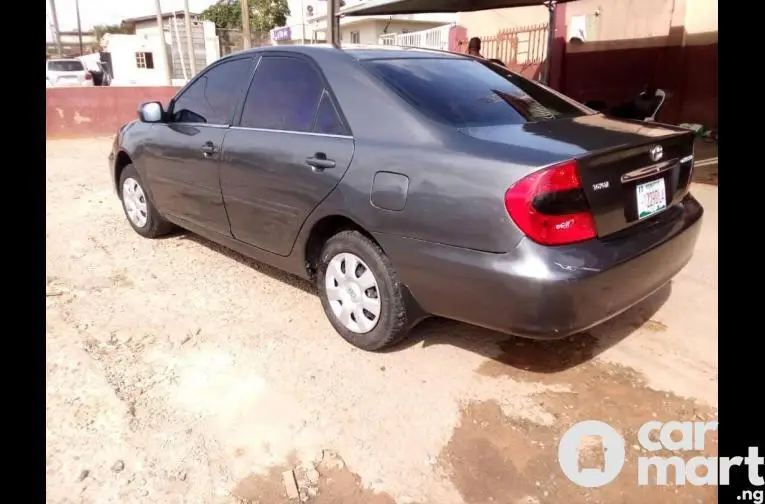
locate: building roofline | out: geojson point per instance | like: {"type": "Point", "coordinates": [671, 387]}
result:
{"type": "Point", "coordinates": [75, 32]}
{"type": "Point", "coordinates": [165, 15]}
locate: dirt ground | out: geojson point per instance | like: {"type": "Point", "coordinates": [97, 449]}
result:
{"type": "Point", "coordinates": [178, 372]}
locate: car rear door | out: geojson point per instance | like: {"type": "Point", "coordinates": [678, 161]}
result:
{"type": "Point", "coordinates": [181, 157]}
{"type": "Point", "coordinates": [289, 150]}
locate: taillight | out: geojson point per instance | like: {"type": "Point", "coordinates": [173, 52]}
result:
{"type": "Point", "coordinates": [88, 76]}
{"type": "Point", "coordinates": [550, 207]}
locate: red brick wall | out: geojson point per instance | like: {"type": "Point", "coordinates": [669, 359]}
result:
{"type": "Point", "coordinates": [96, 111]}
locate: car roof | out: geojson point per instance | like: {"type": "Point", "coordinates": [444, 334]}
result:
{"type": "Point", "coordinates": [358, 51]}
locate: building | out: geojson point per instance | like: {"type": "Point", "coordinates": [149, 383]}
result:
{"type": "Point", "coordinates": [138, 59]}
{"type": "Point", "coordinates": [607, 50]}
{"type": "Point", "coordinates": [70, 44]}
{"type": "Point", "coordinates": [308, 23]}
{"type": "Point", "coordinates": [671, 44]}
{"type": "Point", "coordinates": [297, 29]}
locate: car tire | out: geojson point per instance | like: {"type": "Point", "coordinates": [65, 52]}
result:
{"type": "Point", "coordinates": [138, 207]}
{"type": "Point", "coordinates": [390, 324]}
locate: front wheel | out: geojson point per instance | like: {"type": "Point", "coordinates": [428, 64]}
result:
{"type": "Point", "coordinates": [139, 210]}
{"type": "Point", "coordinates": [360, 293]}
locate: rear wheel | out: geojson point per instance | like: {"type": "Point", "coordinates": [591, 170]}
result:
{"type": "Point", "coordinates": [139, 210]}
{"type": "Point", "coordinates": [360, 293]}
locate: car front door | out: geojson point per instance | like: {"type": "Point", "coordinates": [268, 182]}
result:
{"type": "Point", "coordinates": [183, 155]}
{"type": "Point", "coordinates": [289, 150]}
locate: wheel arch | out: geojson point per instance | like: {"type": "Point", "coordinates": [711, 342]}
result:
{"type": "Point", "coordinates": [120, 162]}
{"type": "Point", "coordinates": [321, 231]}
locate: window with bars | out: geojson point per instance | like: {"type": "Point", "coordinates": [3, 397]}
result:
{"type": "Point", "coordinates": [144, 60]}
{"type": "Point", "coordinates": [355, 37]}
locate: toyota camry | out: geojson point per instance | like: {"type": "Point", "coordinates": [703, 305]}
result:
{"type": "Point", "coordinates": [409, 183]}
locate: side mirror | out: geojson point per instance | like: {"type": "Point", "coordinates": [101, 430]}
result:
{"type": "Point", "coordinates": [151, 112]}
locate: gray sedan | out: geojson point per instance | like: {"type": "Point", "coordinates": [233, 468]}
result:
{"type": "Point", "coordinates": [408, 183]}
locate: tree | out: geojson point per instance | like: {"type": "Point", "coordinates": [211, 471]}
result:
{"type": "Point", "coordinates": [100, 30]}
{"type": "Point", "coordinates": [265, 15]}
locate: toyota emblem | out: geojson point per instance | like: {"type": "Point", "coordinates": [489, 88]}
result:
{"type": "Point", "coordinates": [656, 152]}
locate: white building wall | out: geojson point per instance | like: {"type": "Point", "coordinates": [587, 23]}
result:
{"type": "Point", "coordinates": [212, 42]}
{"type": "Point", "coordinates": [371, 30]}
{"type": "Point", "coordinates": [371, 27]}
{"type": "Point", "coordinates": [124, 47]}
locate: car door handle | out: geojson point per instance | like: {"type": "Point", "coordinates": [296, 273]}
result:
{"type": "Point", "coordinates": [209, 149]}
{"type": "Point", "coordinates": [319, 162]}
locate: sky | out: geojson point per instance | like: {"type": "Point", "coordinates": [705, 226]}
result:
{"type": "Point", "coordinates": [95, 12]}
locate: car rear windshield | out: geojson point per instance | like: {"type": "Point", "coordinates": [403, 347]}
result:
{"type": "Point", "coordinates": [65, 66]}
{"type": "Point", "coordinates": [469, 93]}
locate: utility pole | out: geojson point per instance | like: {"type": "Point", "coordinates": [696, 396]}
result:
{"type": "Point", "coordinates": [302, 14]}
{"type": "Point", "coordinates": [246, 38]}
{"type": "Point", "coordinates": [333, 28]}
{"type": "Point", "coordinates": [189, 41]}
{"type": "Point", "coordinates": [79, 27]}
{"type": "Point", "coordinates": [56, 36]}
{"type": "Point", "coordinates": [163, 44]}
{"type": "Point", "coordinates": [551, 6]}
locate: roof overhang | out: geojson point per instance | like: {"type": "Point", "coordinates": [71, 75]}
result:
{"type": "Point", "coordinates": [393, 7]}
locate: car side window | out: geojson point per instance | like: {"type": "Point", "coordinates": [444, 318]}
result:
{"type": "Point", "coordinates": [212, 98]}
{"type": "Point", "coordinates": [283, 95]}
{"type": "Point", "coordinates": [328, 120]}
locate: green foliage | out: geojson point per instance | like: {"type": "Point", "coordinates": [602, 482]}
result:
{"type": "Point", "coordinates": [100, 30]}
{"type": "Point", "coordinates": [224, 15]}
{"type": "Point", "coordinates": [265, 15]}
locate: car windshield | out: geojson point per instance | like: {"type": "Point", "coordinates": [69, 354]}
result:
{"type": "Point", "coordinates": [65, 66]}
{"type": "Point", "coordinates": [468, 93]}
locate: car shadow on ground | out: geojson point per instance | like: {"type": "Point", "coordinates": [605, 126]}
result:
{"type": "Point", "coordinates": [289, 279]}
{"type": "Point", "coordinates": [536, 356]}
{"type": "Point", "coordinates": [540, 356]}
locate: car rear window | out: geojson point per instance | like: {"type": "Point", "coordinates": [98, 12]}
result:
{"type": "Point", "coordinates": [65, 66]}
{"type": "Point", "coordinates": [469, 93]}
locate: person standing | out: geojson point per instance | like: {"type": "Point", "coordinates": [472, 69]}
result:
{"type": "Point", "coordinates": [474, 47]}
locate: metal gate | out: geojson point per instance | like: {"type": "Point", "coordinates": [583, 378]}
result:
{"type": "Point", "coordinates": [523, 48]}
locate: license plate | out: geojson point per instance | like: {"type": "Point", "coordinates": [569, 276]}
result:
{"type": "Point", "coordinates": [651, 198]}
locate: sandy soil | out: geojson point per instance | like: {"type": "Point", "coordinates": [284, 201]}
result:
{"type": "Point", "coordinates": [178, 372]}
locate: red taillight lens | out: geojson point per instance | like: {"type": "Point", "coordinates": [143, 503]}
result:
{"type": "Point", "coordinates": [88, 76]}
{"type": "Point", "coordinates": [565, 218]}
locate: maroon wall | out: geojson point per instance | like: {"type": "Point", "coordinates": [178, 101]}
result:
{"type": "Point", "coordinates": [95, 111]}
{"type": "Point", "coordinates": [688, 74]}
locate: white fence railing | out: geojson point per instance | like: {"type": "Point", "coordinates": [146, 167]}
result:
{"type": "Point", "coordinates": [433, 38]}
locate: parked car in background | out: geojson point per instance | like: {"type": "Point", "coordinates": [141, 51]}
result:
{"type": "Point", "coordinates": [67, 72]}
{"type": "Point", "coordinates": [407, 183]}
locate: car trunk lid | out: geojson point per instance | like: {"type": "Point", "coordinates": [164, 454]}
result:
{"type": "Point", "coordinates": [630, 170]}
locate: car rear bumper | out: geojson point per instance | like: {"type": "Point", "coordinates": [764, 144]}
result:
{"type": "Point", "coordinates": [547, 292]}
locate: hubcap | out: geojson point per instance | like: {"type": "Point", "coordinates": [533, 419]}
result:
{"type": "Point", "coordinates": [135, 202]}
{"type": "Point", "coordinates": [353, 293]}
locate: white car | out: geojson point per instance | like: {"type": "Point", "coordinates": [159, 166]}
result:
{"type": "Point", "coordinates": [66, 72]}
